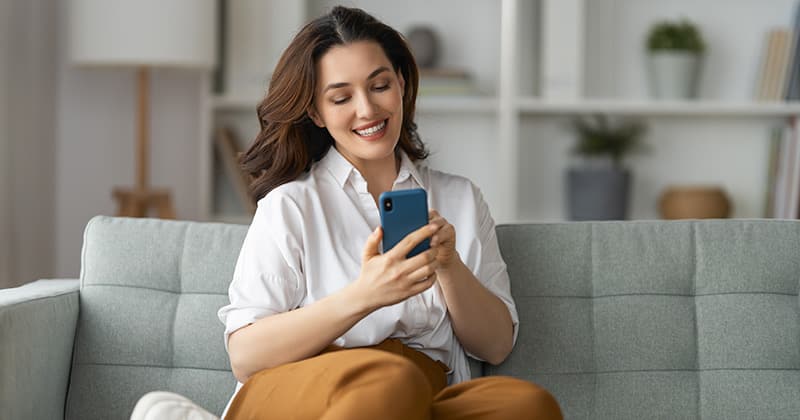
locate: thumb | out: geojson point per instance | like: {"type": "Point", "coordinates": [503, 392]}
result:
{"type": "Point", "coordinates": [372, 247]}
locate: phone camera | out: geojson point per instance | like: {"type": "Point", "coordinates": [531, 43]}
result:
{"type": "Point", "coordinates": [387, 204]}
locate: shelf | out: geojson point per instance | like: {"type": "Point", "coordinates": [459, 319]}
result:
{"type": "Point", "coordinates": [660, 108]}
{"type": "Point", "coordinates": [442, 104]}
{"type": "Point", "coordinates": [426, 104]}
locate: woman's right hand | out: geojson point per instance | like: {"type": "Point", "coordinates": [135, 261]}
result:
{"type": "Point", "coordinates": [390, 278]}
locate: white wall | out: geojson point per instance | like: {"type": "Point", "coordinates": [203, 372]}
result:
{"type": "Point", "coordinates": [95, 144]}
{"type": "Point", "coordinates": [28, 159]}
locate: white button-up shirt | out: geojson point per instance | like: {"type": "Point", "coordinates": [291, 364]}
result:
{"type": "Point", "coordinates": [306, 241]}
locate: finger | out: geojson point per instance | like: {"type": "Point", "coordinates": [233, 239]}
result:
{"type": "Point", "coordinates": [422, 273]}
{"type": "Point", "coordinates": [411, 240]}
{"type": "Point", "coordinates": [372, 247]}
{"type": "Point", "coordinates": [423, 258]}
{"type": "Point", "coordinates": [445, 234]}
{"type": "Point", "coordinates": [432, 214]}
{"type": "Point", "coordinates": [438, 221]}
{"type": "Point", "coordinates": [423, 285]}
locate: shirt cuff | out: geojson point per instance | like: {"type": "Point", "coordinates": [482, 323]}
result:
{"type": "Point", "coordinates": [239, 318]}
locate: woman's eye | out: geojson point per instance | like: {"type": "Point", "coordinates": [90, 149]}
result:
{"type": "Point", "coordinates": [381, 88]}
{"type": "Point", "coordinates": [340, 101]}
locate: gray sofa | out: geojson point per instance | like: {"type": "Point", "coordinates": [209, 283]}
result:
{"type": "Point", "coordinates": [620, 320]}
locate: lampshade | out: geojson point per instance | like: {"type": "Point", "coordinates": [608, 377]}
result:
{"type": "Point", "coordinates": [154, 33]}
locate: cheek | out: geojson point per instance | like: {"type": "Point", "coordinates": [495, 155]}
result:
{"type": "Point", "coordinates": [336, 117]}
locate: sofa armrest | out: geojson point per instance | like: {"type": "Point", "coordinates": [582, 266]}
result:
{"type": "Point", "coordinates": [37, 331]}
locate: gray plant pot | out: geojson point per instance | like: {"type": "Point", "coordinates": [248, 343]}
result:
{"type": "Point", "coordinates": [598, 193]}
{"type": "Point", "coordinates": [674, 74]}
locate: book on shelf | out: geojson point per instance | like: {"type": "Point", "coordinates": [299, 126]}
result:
{"type": "Point", "coordinates": [442, 81]}
{"type": "Point", "coordinates": [228, 150]}
{"type": "Point", "coordinates": [792, 92]}
{"type": "Point", "coordinates": [784, 172]}
{"type": "Point", "coordinates": [775, 137]}
{"type": "Point", "coordinates": [775, 63]}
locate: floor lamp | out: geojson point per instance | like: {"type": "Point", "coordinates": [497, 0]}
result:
{"type": "Point", "coordinates": [143, 34]}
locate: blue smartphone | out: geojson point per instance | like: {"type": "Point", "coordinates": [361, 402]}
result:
{"type": "Point", "coordinates": [402, 212]}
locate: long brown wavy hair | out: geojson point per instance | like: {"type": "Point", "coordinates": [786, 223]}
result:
{"type": "Point", "coordinates": [289, 142]}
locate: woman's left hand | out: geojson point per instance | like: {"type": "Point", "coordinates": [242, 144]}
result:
{"type": "Point", "coordinates": [444, 239]}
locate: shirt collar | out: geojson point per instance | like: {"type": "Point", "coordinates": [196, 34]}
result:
{"type": "Point", "coordinates": [342, 169]}
{"type": "Point", "coordinates": [337, 165]}
{"type": "Point", "coordinates": [408, 168]}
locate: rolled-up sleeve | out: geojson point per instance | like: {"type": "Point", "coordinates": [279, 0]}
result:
{"type": "Point", "coordinates": [268, 278]}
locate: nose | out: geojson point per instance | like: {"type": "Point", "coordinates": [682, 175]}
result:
{"type": "Point", "coordinates": [365, 106]}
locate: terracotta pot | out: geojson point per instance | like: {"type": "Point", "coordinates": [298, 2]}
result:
{"type": "Point", "coordinates": [694, 202]}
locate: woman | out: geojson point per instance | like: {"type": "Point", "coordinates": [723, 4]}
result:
{"type": "Point", "coordinates": [321, 324]}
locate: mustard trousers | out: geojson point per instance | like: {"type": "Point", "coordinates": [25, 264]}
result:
{"type": "Point", "coordinates": [386, 381]}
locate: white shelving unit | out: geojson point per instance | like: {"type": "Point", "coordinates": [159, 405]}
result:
{"type": "Point", "coordinates": [661, 108]}
{"type": "Point", "coordinates": [513, 143]}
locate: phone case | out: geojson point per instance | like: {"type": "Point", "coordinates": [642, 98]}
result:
{"type": "Point", "coordinates": [408, 212]}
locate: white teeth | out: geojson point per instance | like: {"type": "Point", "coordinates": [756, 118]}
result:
{"type": "Point", "coordinates": [372, 130]}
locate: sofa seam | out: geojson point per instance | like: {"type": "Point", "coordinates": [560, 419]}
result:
{"type": "Point", "coordinates": [661, 294]}
{"type": "Point", "coordinates": [611, 372]}
{"type": "Point", "coordinates": [695, 250]}
{"type": "Point", "coordinates": [127, 286]}
{"type": "Point", "coordinates": [178, 299]}
{"type": "Point", "coordinates": [593, 261]}
{"type": "Point", "coordinates": [148, 366]}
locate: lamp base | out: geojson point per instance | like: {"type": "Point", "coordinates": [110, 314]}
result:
{"type": "Point", "coordinates": [138, 202]}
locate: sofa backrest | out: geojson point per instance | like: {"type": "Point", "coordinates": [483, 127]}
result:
{"type": "Point", "coordinates": [620, 320]}
{"type": "Point", "coordinates": [150, 291]}
{"type": "Point", "coordinates": [648, 320]}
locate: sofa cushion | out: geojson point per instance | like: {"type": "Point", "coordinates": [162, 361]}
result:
{"type": "Point", "coordinates": [150, 291]}
{"type": "Point", "coordinates": [631, 320]}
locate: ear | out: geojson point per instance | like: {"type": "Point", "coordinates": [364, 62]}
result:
{"type": "Point", "coordinates": [314, 115]}
{"type": "Point", "coordinates": [402, 83]}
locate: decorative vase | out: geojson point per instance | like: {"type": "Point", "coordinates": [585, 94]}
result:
{"type": "Point", "coordinates": [424, 43]}
{"type": "Point", "coordinates": [694, 202]}
{"type": "Point", "coordinates": [674, 74]}
{"type": "Point", "coordinates": [598, 193]}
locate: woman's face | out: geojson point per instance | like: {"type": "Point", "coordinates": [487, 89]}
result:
{"type": "Point", "coordinates": [359, 99]}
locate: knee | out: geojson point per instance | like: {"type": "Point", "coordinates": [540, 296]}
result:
{"type": "Point", "coordinates": [528, 400]}
{"type": "Point", "coordinates": [392, 371]}
{"type": "Point", "coordinates": [398, 387]}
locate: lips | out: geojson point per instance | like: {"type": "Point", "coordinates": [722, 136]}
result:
{"type": "Point", "coordinates": [371, 130]}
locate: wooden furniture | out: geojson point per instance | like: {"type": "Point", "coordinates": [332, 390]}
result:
{"type": "Point", "coordinates": [137, 201]}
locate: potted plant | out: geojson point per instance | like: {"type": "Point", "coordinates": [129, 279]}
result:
{"type": "Point", "coordinates": [598, 188]}
{"type": "Point", "coordinates": [674, 59]}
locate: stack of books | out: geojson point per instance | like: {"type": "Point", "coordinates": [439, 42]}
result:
{"type": "Point", "coordinates": [435, 81]}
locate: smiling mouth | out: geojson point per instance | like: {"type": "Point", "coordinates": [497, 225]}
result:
{"type": "Point", "coordinates": [371, 131]}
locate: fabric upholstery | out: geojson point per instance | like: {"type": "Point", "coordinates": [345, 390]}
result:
{"type": "Point", "coordinates": [631, 320]}
{"type": "Point", "coordinates": [37, 328]}
{"type": "Point", "coordinates": [150, 291]}
{"type": "Point", "coordinates": [619, 320]}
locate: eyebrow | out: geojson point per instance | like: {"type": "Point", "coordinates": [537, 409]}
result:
{"type": "Point", "coordinates": [372, 75]}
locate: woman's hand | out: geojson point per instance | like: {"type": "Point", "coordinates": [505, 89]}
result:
{"type": "Point", "coordinates": [390, 278]}
{"type": "Point", "coordinates": [443, 240]}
